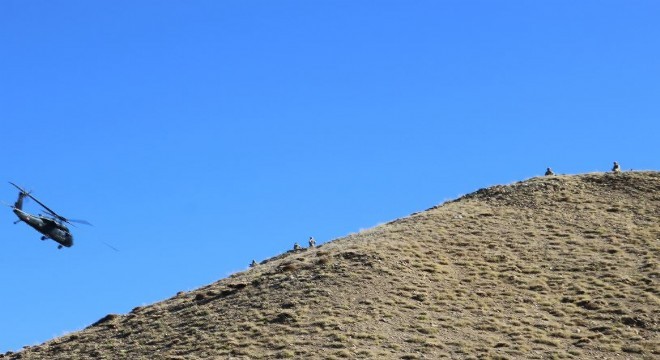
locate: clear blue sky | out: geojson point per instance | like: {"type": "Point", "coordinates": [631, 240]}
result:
{"type": "Point", "coordinates": [199, 135]}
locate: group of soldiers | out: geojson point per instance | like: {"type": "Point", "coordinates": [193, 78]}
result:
{"type": "Point", "coordinates": [296, 247]}
{"type": "Point", "coordinates": [312, 243]}
{"type": "Point", "coordinates": [616, 169]}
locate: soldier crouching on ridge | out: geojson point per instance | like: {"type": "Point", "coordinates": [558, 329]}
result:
{"type": "Point", "coordinates": [616, 168]}
{"type": "Point", "coordinates": [549, 172]}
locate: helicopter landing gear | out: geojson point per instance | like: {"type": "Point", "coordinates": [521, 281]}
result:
{"type": "Point", "coordinates": [43, 238]}
{"type": "Point", "coordinates": [59, 247]}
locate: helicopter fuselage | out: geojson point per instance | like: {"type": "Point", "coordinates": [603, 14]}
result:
{"type": "Point", "coordinates": [50, 228]}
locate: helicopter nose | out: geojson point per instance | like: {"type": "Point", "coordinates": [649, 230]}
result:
{"type": "Point", "coordinates": [68, 242]}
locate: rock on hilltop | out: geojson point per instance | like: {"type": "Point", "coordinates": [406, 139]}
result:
{"type": "Point", "coordinates": [551, 267]}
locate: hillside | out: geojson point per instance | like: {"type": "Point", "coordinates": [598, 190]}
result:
{"type": "Point", "coordinates": [552, 267]}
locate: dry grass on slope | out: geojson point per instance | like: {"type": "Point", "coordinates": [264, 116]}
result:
{"type": "Point", "coordinates": [553, 267]}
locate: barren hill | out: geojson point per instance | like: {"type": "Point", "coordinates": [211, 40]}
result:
{"type": "Point", "coordinates": [552, 267]}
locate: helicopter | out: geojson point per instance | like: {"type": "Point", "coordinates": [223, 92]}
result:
{"type": "Point", "coordinates": [51, 226]}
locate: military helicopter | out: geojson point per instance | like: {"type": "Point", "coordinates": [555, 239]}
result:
{"type": "Point", "coordinates": [51, 225]}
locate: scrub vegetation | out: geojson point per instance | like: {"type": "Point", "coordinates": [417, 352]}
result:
{"type": "Point", "coordinates": [556, 267]}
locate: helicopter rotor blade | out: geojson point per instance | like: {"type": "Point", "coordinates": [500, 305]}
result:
{"type": "Point", "coordinates": [21, 189]}
{"type": "Point", "coordinates": [48, 210]}
{"type": "Point", "coordinates": [110, 246]}
{"type": "Point", "coordinates": [79, 221]}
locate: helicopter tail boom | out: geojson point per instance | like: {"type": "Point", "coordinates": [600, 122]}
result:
{"type": "Point", "coordinates": [19, 202]}
{"type": "Point", "coordinates": [21, 195]}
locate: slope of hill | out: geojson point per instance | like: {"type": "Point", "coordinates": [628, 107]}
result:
{"type": "Point", "coordinates": [552, 267]}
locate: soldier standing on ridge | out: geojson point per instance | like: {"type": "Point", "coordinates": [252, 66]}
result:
{"type": "Point", "coordinates": [616, 168]}
{"type": "Point", "coordinates": [312, 242]}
